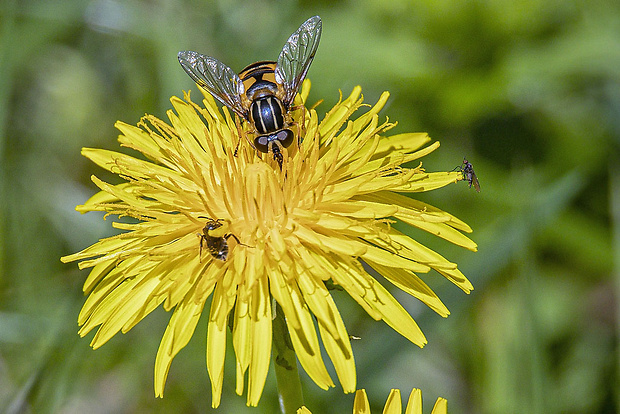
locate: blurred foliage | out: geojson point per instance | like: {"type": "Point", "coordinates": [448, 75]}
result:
{"type": "Point", "coordinates": [529, 91]}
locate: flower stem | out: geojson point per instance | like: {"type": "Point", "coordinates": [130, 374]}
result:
{"type": "Point", "coordinates": [285, 362]}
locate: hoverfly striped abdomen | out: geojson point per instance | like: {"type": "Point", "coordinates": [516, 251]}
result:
{"type": "Point", "coordinates": [266, 114]}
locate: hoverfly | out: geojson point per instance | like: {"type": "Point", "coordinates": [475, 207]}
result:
{"type": "Point", "coordinates": [468, 174]}
{"type": "Point", "coordinates": [216, 238]}
{"type": "Point", "coordinates": [263, 92]}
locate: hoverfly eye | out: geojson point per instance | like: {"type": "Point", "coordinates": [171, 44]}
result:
{"type": "Point", "coordinates": [262, 143]}
{"type": "Point", "coordinates": [285, 137]}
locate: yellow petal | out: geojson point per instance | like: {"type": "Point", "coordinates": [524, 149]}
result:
{"type": "Point", "coordinates": [414, 406]}
{"type": "Point", "coordinates": [362, 209]}
{"type": "Point", "coordinates": [410, 283]}
{"type": "Point", "coordinates": [440, 407]}
{"type": "Point", "coordinates": [306, 343]}
{"type": "Point", "coordinates": [393, 405]}
{"type": "Point", "coordinates": [216, 341]}
{"type": "Point", "coordinates": [338, 348]}
{"type": "Point", "coordinates": [261, 336]}
{"type": "Point", "coordinates": [443, 231]}
{"type": "Point", "coordinates": [118, 307]}
{"type": "Point", "coordinates": [178, 333]}
{"type": "Point", "coordinates": [382, 302]}
{"type": "Point", "coordinates": [360, 404]}
{"type": "Point", "coordinates": [428, 182]}
{"type": "Point", "coordinates": [409, 141]}
{"type": "Point", "coordinates": [331, 242]}
{"type": "Point", "coordinates": [386, 258]}
{"type": "Point", "coordinates": [334, 119]}
{"type": "Point", "coordinates": [242, 329]}
{"type": "Point", "coordinates": [412, 206]}
{"type": "Point", "coordinates": [140, 138]}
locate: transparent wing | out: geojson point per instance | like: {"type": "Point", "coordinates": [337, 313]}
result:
{"type": "Point", "coordinates": [475, 182]}
{"type": "Point", "coordinates": [297, 55]}
{"type": "Point", "coordinates": [220, 80]}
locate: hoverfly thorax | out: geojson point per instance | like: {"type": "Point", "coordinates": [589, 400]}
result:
{"type": "Point", "coordinates": [259, 80]}
{"type": "Point", "coordinates": [263, 92]}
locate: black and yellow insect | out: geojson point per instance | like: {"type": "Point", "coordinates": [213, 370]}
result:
{"type": "Point", "coordinates": [264, 91]}
{"type": "Point", "coordinates": [216, 238]}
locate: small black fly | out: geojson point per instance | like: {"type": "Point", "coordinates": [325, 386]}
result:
{"type": "Point", "coordinates": [468, 174]}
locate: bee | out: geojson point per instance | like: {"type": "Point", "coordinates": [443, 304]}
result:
{"type": "Point", "coordinates": [468, 174]}
{"type": "Point", "coordinates": [262, 93]}
{"type": "Point", "coordinates": [215, 236]}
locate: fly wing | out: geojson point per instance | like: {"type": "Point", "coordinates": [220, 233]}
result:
{"type": "Point", "coordinates": [217, 78]}
{"type": "Point", "coordinates": [296, 57]}
{"type": "Point", "coordinates": [475, 182]}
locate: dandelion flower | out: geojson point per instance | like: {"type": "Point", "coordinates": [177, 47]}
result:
{"type": "Point", "coordinates": [324, 217]}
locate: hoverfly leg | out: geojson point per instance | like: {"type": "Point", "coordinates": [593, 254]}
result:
{"type": "Point", "coordinates": [301, 129]}
{"type": "Point", "coordinates": [301, 126]}
{"type": "Point", "coordinates": [240, 134]}
{"type": "Point", "coordinates": [202, 239]}
{"type": "Point", "coordinates": [229, 235]}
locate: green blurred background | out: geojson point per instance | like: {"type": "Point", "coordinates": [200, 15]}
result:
{"type": "Point", "coordinates": [528, 91]}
